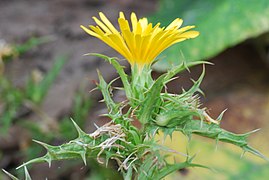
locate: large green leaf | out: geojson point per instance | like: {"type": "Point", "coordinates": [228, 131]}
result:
{"type": "Point", "coordinates": [222, 24]}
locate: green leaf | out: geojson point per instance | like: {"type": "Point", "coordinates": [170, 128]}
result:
{"type": "Point", "coordinates": [152, 98]}
{"type": "Point", "coordinates": [104, 88]}
{"type": "Point", "coordinates": [183, 66]}
{"type": "Point", "coordinates": [12, 98]}
{"type": "Point", "coordinates": [221, 24]}
{"type": "Point", "coordinates": [32, 43]}
{"type": "Point", "coordinates": [120, 71]}
{"type": "Point", "coordinates": [215, 132]}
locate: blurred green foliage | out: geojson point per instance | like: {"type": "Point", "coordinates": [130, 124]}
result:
{"type": "Point", "coordinates": [221, 24]}
{"type": "Point", "coordinates": [16, 103]}
{"type": "Point", "coordinates": [36, 89]}
{"type": "Point", "coordinates": [13, 99]}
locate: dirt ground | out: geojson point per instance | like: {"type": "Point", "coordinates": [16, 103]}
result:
{"type": "Point", "coordinates": [239, 80]}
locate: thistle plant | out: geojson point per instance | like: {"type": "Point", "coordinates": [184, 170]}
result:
{"type": "Point", "coordinates": [135, 150]}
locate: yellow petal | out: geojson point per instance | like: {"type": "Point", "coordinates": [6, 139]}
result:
{"type": "Point", "coordinates": [181, 30]}
{"type": "Point", "coordinates": [90, 32]}
{"type": "Point", "coordinates": [190, 34]}
{"type": "Point", "coordinates": [176, 23]}
{"type": "Point", "coordinates": [138, 42]}
{"type": "Point", "coordinates": [97, 30]}
{"type": "Point", "coordinates": [169, 42]}
{"type": "Point", "coordinates": [124, 25]}
{"type": "Point", "coordinates": [117, 39]}
{"type": "Point", "coordinates": [138, 28]}
{"type": "Point", "coordinates": [99, 23]}
{"type": "Point", "coordinates": [108, 23]}
{"type": "Point", "coordinates": [121, 15]}
{"type": "Point", "coordinates": [130, 40]}
{"type": "Point", "coordinates": [148, 30]}
{"type": "Point", "coordinates": [144, 47]}
{"type": "Point", "coordinates": [144, 23]}
{"type": "Point", "coordinates": [134, 22]}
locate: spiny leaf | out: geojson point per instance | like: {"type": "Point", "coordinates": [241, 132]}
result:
{"type": "Point", "coordinates": [152, 96]}
{"type": "Point", "coordinates": [81, 147]}
{"type": "Point", "coordinates": [215, 132]}
{"type": "Point", "coordinates": [103, 86]}
{"type": "Point", "coordinates": [196, 84]}
{"type": "Point", "coordinates": [183, 66]}
{"type": "Point", "coordinates": [146, 170]}
{"type": "Point", "coordinates": [65, 151]}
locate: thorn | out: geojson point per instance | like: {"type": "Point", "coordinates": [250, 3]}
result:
{"type": "Point", "coordinates": [49, 161]}
{"type": "Point", "coordinates": [251, 132]}
{"type": "Point", "coordinates": [97, 55]}
{"type": "Point", "coordinates": [189, 136]}
{"type": "Point", "coordinates": [209, 119]}
{"type": "Point", "coordinates": [36, 160]}
{"type": "Point", "coordinates": [94, 82]}
{"type": "Point", "coordinates": [94, 89]}
{"type": "Point", "coordinates": [219, 118]}
{"type": "Point", "coordinates": [175, 161]}
{"type": "Point", "coordinates": [254, 151]}
{"type": "Point", "coordinates": [182, 55]}
{"type": "Point", "coordinates": [97, 127]}
{"type": "Point", "coordinates": [83, 156]}
{"type": "Point", "coordinates": [201, 122]}
{"type": "Point", "coordinates": [209, 63]}
{"type": "Point", "coordinates": [10, 175]}
{"type": "Point", "coordinates": [87, 54]}
{"type": "Point", "coordinates": [47, 146]}
{"type": "Point", "coordinates": [112, 81]}
{"type": "Point", "coordinates": [190, 158]}
{"type": "Point", "coordinates": [242, 154]}
{"type": "Point", "coordinates": [79, 131]}
{"type": "Point", "coordinates": [26, 174]}
{"type": "Point", "coordinates": [217, 142]}
{"type": "Point", "coordinates": [186, 66]}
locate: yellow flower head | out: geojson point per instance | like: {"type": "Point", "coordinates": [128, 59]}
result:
{"type": "Point", "coordinates": [142, 43]}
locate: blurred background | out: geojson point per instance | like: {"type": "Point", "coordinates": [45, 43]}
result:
{"type": "Point", "coordinates": [45, 79]}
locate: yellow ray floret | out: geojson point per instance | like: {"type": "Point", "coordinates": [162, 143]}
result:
{"type": "Point", "coordinates": [141, 43]}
